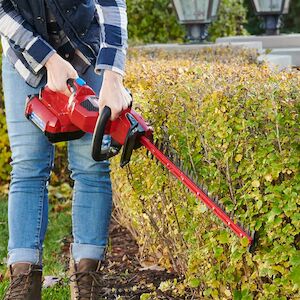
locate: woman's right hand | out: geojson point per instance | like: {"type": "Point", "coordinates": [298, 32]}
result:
{"type": "Point", "coordinates": [58, 72]}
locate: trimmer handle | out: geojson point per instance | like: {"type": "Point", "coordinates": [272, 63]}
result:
{"type": "Point", "coordinates": [99, 133]}
{"type": "Point", "coordinates": [74, 84]}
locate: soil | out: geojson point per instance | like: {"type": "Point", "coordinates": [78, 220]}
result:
{"type": "Point", "coordinates": [122, 275]}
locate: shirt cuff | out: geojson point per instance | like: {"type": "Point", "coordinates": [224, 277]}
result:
{"type": "Point", "coordinates": [37, 52]}
{"type": "Point", "coordinates": [111, 59]}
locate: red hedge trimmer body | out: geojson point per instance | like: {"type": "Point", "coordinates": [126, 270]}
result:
{"type": "Point", "coordinates": [60, 117]}
{"type": "Point", "coordinates": [65, 118]}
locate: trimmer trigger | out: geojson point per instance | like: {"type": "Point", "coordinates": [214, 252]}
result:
{"type": "Point", "coordinates": [132, 140]}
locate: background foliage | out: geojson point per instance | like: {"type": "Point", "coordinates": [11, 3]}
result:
{"type": "Point", "coordinates": [152, 21]}
{"type": "Point", "coordinates": [155, 20]}
{"type": "Point", "coordinates": [230, 21]}
{"type": "Point", "coordinates": [290, 22]}
{"type": "Point", "coordinates": [161, 24]}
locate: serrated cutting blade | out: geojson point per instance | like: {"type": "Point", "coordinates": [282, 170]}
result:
{"type": "Point", "coordinates": [199, 192]}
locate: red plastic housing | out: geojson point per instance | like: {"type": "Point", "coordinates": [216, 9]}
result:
{"type": "Point", "coordinates": [56, 114]}
{"type": "Point", "coordinates": [119, 128]}
{"type": "Point", "coordinates": [49, 112]}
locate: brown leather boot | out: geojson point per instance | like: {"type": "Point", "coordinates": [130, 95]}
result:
{"type": "Point", "coordinates": [85, 279]}
{"type": "Point", "coordinates": [25, 282]}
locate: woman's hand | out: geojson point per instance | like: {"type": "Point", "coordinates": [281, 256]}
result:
{"type": "Point", "coordinates": [113, 94]}
{"type": "Point", "coordinates": [58, 72]}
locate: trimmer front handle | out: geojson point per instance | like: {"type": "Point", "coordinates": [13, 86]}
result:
{"type": "Point", "coordinates": [124, 131]}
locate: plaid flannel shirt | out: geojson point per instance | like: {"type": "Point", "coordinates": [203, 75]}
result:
{"type": "Point", "coordinates": [17, 34]}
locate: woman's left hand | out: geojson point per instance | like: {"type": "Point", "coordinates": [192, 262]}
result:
{"type": "Point", "coordinates": [113, 94]}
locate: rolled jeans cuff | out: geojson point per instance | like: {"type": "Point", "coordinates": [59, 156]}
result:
{"type": "Point", "coordinates": [33, 256]}
{"type": "Point", "coordinates": [80, 251]}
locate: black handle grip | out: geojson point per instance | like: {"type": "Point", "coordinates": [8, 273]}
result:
{"type": "Point", "coordinates": [99, 133]}
{"type": "Point", "coordinates": [71, 85]}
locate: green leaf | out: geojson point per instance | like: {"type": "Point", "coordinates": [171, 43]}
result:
{"type": "Point", "coordinates": [246, 295]}
{"type": "Point", "coordinates": [218, 251]}
{"type": "Point", "coordinates": [295, 275]}
{"type": "Point", "coordinates": [295, 259]}
{"type": "Point", "coordinates": [244, 242]}
{"type": "Point", "coordinates": [237, 295]}
{"type": "Point", "coordinates": [259, 204]}
{"type": "Point", "coordinates": [223, 237]}
{"type": "Point", "coordinates": [145, 296]}
{"type": "Point", "coordinates": [194, 282]}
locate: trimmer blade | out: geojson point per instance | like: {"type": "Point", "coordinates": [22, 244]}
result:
{"type": "Point", "coordinates": [186, 177]}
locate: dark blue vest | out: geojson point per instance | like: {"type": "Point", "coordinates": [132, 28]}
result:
{"type": "Point", "coordinates": [77, 18]}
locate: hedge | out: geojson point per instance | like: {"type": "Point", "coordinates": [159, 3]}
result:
{"type": "Point", "coordinates": [235, 124]}
{"type": "Point", "coordinates": [4, 144]}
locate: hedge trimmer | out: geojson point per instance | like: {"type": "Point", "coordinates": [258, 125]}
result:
{"type": "Point", "coordinates": [64, 118]}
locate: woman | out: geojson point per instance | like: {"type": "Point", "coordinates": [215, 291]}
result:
{"type": "Point", "coordinates": [47, 42]}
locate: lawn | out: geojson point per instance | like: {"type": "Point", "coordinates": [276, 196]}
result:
{"type": "Point", "coordinates": [55, 253]}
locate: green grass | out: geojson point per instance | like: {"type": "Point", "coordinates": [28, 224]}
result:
{"type": "Point", "coordinates": [3, 233]}
{"type": "Point", "coordinates": [54, 258]}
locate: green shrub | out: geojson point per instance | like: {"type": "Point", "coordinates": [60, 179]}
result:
{"type": "Point", "coordinates": [235, 17]}
{"type": "Point", "coordinates": [155, 21]}
{"type": "Point", "coordinates": [152, 21]}
{"type": "Point", "coordinates": [4, 144]}
{"type": "Point", "coordinates": [230, 21]}
{"type": "Point", "coordinates": [236, 124]}
{"type": "Point", "coordinates": [5, 151]}
{"type": "Point", "coordinates": [290, 22]}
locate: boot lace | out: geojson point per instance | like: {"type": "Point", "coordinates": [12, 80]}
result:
{"type": "Point", "coordinates": [87, 288]}
{"type": "Point", "coordinates": [19, 286]}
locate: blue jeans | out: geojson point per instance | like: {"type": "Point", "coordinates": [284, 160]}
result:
{"type": "Point", "coordinates": [32, 161]}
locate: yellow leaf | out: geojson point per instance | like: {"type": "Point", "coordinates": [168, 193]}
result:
{"type": "Point", "coordinates": [223, 108]}
{"type": "Point", "coordinates": [255, 183]}
{"type": "Point", "coordinates": [244, 242]}
{"type": "Point", "coordinates": [238, 158]}
{"type": "Point", "coordinates": [227, 293]}
{"type": "Point", "coordinates": [180, 70]}
{"type": "Point", "coordinates": [269, 177]}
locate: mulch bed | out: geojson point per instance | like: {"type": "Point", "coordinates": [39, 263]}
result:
{"type": "Point", "coordinates": [122, 274]}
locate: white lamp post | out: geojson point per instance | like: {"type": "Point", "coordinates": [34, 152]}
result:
{"type": "Point", "coordinates": [196, 15]}
{"type": "Point", "coordinates": [271, 10]}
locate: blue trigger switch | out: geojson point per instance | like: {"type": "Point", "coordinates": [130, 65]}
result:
{"type": "Point", "coordinates": [80, 81]}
